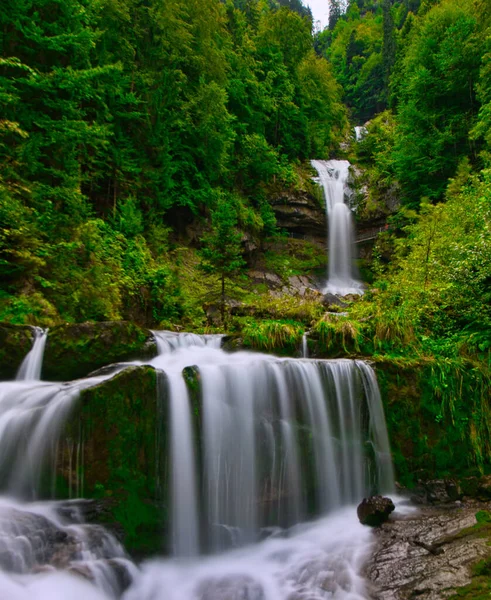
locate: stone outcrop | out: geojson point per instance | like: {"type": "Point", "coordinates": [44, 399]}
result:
{"type": "Point", "coordinates": [375, 510]}
{"type": "Point", "coordinates": [74, 351]}
{"type": "Point", "coordinates": [116, 434]}
{"type": "Point", "coordinates": [426, 554]}
{"type": "Point", "coordinates": [302, 214]}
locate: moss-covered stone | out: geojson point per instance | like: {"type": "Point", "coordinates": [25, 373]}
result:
{"type": "Point", "coordinates": [15, 343]}
{"type": "Point", "coordinates": [74, 351]}
{"type": "Point", "coordinates": [436, 417]}
{"type": "Point", "coordinates": [118, 426]}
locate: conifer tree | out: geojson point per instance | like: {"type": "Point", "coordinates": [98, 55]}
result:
{"type": "Point", "coordinates": [389, 43]}
{"type": "Point", "coordinates": [334, 13]}
{"type": "Point", "coordinates": [221, 253]}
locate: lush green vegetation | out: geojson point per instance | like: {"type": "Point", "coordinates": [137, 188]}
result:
{"type": "Point", "coordinates": [141, 146]}
{"type": "Point", "coordinates": [124, 125]}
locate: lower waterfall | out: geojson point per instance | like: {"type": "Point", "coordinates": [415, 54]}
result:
{"type": "Point", "coordinates": [268, 458]}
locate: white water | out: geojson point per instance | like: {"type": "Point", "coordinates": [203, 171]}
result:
{"type": "Point", "coordinates": [254, 408]}
{"type": "Point", "coordinates": [30, 369]}
{"type": "Point", "coordinates": [319, 561]}
{"type": "Point", "coordinates": [281, 440]}
{"type": "Point", "coordinates": [305, 346]}
{"type": "Point", "coordinates": [342, 279]}
{"type": "Point", "coordinates": [360, 133]}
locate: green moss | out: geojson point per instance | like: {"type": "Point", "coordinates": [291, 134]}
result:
{"type": "Point", "coordinates": [73, 351]}
{"type": "Point", "coordinates": [437, 417]}
{"type": "Point", "coordinates": [119, 422]}
{"type": "Point", "coordinates": [15, 343]}
{"type": "Point", "coordinates": [480, 587]}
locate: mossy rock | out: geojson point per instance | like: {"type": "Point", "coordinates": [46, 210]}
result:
{"type": "Point", "coordinates": [432, 437]}
{"type": "Point", "coordinates": [74, 351]}
{"type": "Point", "coordinates": [15, 343]}
{"type": "Point", "coordinates": [118, 425]}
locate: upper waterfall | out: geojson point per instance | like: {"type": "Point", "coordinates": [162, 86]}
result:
{"type": "Point", "coordinates": [333, 177]}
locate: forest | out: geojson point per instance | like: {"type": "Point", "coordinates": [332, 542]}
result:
{"type": "Point", "coordinates": [142, 143]}
{"type": "Point", "coordinates": [161, 218]}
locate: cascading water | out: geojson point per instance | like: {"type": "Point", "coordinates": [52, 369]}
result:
{"type": "Point", "coordinates": [39, 537]}
{"type": "Point", "coordinates": [342, 280]}
{"type": "Point", "coordinates": [263, 446]}
{"type": "Point", "coordinates": [360, 133]}
{"type": "Point", "coordinates": [258, 414]}
{"type": "Point", "coordinates": [30, 369]}
{"type": "Point", "coordinates": [305, 346]}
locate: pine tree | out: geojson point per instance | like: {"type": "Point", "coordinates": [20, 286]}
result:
{"type": "Point", "coordinates": [221, 253]}
{"type": "Point", "coordinates": [334, 13]}
{"type": "Point", "coordinates": [389, 43]}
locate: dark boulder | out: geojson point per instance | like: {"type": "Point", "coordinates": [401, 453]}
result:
{"type": "Point", "coordinates": [375, 510]}
{"type": "Point", "coordinates": [436, 491]}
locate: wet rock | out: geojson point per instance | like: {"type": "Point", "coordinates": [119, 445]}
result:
{"type": "Point", "coordinates": [73, 351]}
{"type": "Point", "coordinates": [333, 300]}
{"type": "Point", "coordinates": [272, 280]}
{"type": "Point", "coordinates": [28, 540]}
{"type": "Point", "coordinates": [425, 554]}
{"type": "Point", "coordinates": [375, 510]}
{"type": "Point", "coordinates": [436, 491]}
{"type": "Point", "coordinates": [302, 214]}
{"type": "Point", "coordinates": [119, 446]}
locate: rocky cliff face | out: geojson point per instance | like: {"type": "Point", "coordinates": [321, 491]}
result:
{"type": "Point", "coordinates": [302, 214]}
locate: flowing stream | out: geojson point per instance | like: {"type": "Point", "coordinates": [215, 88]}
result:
{"type": "Point", "coordinates": [342, 277]}
{"type": "Point", "coordinates": [269, 457]}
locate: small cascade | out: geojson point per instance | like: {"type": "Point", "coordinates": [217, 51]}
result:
{"type": "Point", "coordinates": [32, 415]}
{"type": "Point", "coordinates": [30, 369]}
{"type": "Point", "coordinates": [360, 133]}
{"type": "Point", "coordinates": [168, 341]}
{"type": "Point", "coordinates": [305, 346]}
{"type": "Point", "coordinates": [342, 279]}
{"type": "Point", "coordinates": [60, 539]}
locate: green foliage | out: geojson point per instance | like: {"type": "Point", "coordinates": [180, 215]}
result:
{"type": "Point", "coordinates": [354, 47]}
{"type": "Point", "coordinates": [436, 97]}
{"type": "Point", "coordinates": [221, 253]}
{"type": "Point", "coordinates": [279, 336]}
{"type": "Point", "coordinates": [123, 122]}
{"type": "Point", "coordinates": [337, 335]}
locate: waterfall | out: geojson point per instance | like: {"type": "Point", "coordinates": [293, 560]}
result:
{"type": "Point", "coordinates": [30, 369]}
{"type": "Point", "coordinates": [268, 458]}
{"type": "Point", "coordinates": [333, 175]}
{"type": "Point", "coordinates": [278, 437]}
{"type": "Point", "coordinates": [360, 133]}
{"type": "Point", "coordinates": [305, 346]}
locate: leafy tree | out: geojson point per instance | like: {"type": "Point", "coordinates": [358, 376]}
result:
{"type": "Point", "coordinates": [437, 99]}
{"type": "Point", "coordinates": [389, 43]}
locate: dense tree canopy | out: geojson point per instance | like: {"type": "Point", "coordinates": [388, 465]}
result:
{"type": "Point", "coordinates": [122, 122]}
